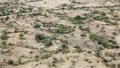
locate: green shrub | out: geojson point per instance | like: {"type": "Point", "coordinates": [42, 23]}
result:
{"type": "Point", "coordinates": [4, 36]}
{"type": "Point", "coordinates": [103, 14]}
{"type": "Point", "coordinates": [78, 49]}
{"type": "Point", "coordinates": [83, 34]}
{"type": "Point", "coordinates": [48, 43]}
{"type": "Point", "coordinates": [95, 12]}
{"type": "Point", "coordinates": [63, 49]}
{"type": "Point", "coordinates": [55, 60]}
{"type": "Point", "coordinates": [37, 25]}
{"type": "Point", "coordinates": [78, 19]}
{"type": "Point", "coordinates": [40, 37]}
{"type": "Point", "coordinates": [10, 62]}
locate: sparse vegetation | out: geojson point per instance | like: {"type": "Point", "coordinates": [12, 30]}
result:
{"type": "Point", "coordinates": [59, 34]}
{"type": "Point", "coordinates": [101, 40]}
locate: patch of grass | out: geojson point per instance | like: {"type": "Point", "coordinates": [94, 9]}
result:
{"type": "Point", "coordinates": [100, 18]}
{"type": "Point", "coordinates": [87, 29]}
{"type": "Point", "coordinates": [35, 14]}
{"type": "Point", "coordinates": [105, 42]}
{"type": "Point", "coordinates": [78, 49]}
{"type": "Point", "coordinates": [95, 12]}
{"type": "Point", "coordinates": [62, 29]}
{"type": "Point", "coordinates": [45, 56]}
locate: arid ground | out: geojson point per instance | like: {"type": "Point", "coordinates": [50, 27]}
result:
{"type": "Point", "coordinates": [59, 33]}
